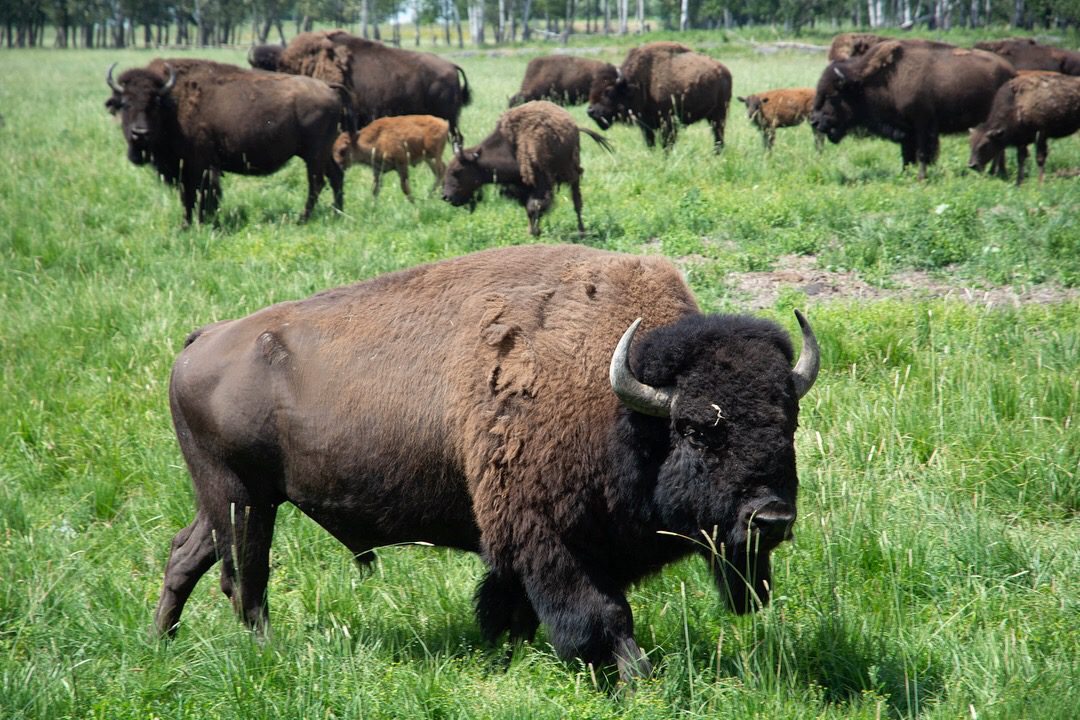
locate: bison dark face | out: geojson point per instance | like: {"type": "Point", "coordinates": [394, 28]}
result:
{"type": "Point", "coordinates": [754, 106]}
{"type": "Point", "coordinates": [464, 177]}
{"type": "Point", "coordinates": [265, 57]}
{"type": "Point", "coordinates": [834, 112]}
{"type": "Point", "coordinates": [985, 146]}
{"type": "Point", "coordinates": [138, 98]}
{"type": "Point", "coordinates": [728, 481]}
{"type": "Point", "coordinates": [609, 98]}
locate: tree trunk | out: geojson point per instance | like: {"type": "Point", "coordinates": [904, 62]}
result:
{"type": "Point", "coordinates": [640, 16]}
{"type": "Point", "coordinates": [457, 24]}
{"type": "Point", "coordinates": [1019, 11]}
{"type": "Point", "coordinates": [684, 15]}
{"type": "Point", "coordinates": [569, 28]}
{"type": "Point", "coordinates": [365, 17]}
{"type": "Point", "coordinates": [526, 15]}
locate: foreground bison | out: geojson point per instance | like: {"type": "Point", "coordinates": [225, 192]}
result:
{"type": "Point", "coordinates": [1026, 54]}
{"type": "Point", "coordinates": [487, 403]}
{"type": "Point", "coordinates": [382, 80]}
{"type": "Point", "coordinates": [194, 120]}
{"type": "Point", "coordinates": [1028, 109]}
{"type": "Point", "coordinates": [910, 94]}
{"type": "Point", "coordinates": [562, 79]}
{"type": "Point", "coordinates": [533, 150]}
{"type": "Point", "coordinates": [659, 86]}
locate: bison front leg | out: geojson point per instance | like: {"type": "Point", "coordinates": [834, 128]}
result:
{"type": "Point", "coordinates": [718, 134]}
{"type": "Point", "coordinates": [316, 177]}
{"type": "Point", "coordinates": [649, 134]}
{"type": "Point", "coordinates": [336, 176]}
{"type": "Point", "coordinates": [536, 204]}
{"type": "Point", "coordinates": [502, 606]}
{"type": "Point", "coordinates": [403, 178]}
{"type": "Point", "coordinates": [1021, 160]}
{"type": "Point", "coordinates": [1041, 151]}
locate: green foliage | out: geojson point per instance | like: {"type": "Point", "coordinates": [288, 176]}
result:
{"type": "Point", "coordinates": [936, 571]}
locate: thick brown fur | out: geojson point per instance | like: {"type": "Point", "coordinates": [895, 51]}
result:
{"type": "Point", "coordinates": [395, 143]}
{"type": "Point", "coordinates": [221, 118]}
{"type": "Point", "coordinates": [1026, 54]}
{"type": "Point", "coordinates": [774, 109]}
{"type": "Point", "coordinates": [562, 79]}
{"type": "Point", "coordinates": [534, 149]}
{"type": "Point", "coordinates": [383, 80]}
{"type": "Point", "coordinates": [466, 403]}
{"type": "Point", "coordinates": [1029, 109]}
{"type": "Point", "coordinates": [849, 45]}
{"type": "Point", "coordinates": [660, 86]}
{"type": "Point", "coordinates": [909, 93]}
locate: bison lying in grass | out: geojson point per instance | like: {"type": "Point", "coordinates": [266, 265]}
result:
{"type": "Point", "coordinates": [395, 143]}
{"type": "Point", "coordinates": [499, 403]}
{"type": "Point", "coordinates": [533, 149]}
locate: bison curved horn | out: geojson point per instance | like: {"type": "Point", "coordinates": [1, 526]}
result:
{"type": "Point", "coordinates": [117, 87]}
{"type": "Point", "coordinates": [170, 82]}
{"type": "Point", "coordinates": [806, 369]}
{"type": "Point", "coordinates": [633, 393]}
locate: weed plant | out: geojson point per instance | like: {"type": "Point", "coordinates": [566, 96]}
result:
{"type": "Point", "coordinates": [936, 564]}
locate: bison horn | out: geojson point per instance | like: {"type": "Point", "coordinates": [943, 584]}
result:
{"type": "Point", "coordinates": [633, 393]}
{"type": "Point", "coordinates": [838, 73]}
{"type": "Point", "coordinates": [170, 82]}
{"type": "Point", "coordinates": [806, 369]}
{"type": "Point", "coordinates": [117, 87]}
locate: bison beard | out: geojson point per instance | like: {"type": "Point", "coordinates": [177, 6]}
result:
{"type": "Point", "coordinates": [494, 408]}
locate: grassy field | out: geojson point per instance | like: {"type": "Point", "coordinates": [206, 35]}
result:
{"type": "Point", "coordinates": [936, 571]}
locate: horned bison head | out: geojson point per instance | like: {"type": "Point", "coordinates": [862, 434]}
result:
{"type": "Point", "coordinates": [138, 97]}
{"type": "Point", "coordinates": [609, 98]}
{"type": "Point", "coordinates": [833, 111]}
{"type": "Point", "coordinates": [464, 177]}
{"type": "Point", "coordinates": [730, 399]}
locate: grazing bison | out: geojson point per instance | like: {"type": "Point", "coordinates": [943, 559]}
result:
{"type": "Point", "coordinates": [660, 85]}
{"type": "Point", "coordinates": [382, 80]}
{"type": "Point", "coordinates": [562, 79]}
{"type": "Point", "coordinates": [1027, 109]}
{"type": "Point", "coordinates": [265, 57]}
{"type": "Point", "coordinates": [487, 403]}
{"type": "Point", "coordinates": [780, 108]}
{"type": "Point", "coordinates": [194, 120]}
{"type": "Point", "coordinates": [395, 143]}
{"type": "Point", "coordinates": [910, 94]}
{"type": "Point", "coordinates": [533, 149]}
{"type": "Point", "coordinates": [1026, 54]}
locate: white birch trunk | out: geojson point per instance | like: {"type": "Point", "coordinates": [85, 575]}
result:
{"type": "Point", "coordinates": [684, 15]}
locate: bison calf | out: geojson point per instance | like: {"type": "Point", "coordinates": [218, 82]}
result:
{"type": "Point", "coordinates": [1030, 108]}
{"type": "Point", "coordinates": [395, 143]}
{"type": "Point", "coordinates": [780, 108]}
{"type": "Point", "coordinates": [533, 149]}
{"type": "Point", "coordinates": [562, 79]}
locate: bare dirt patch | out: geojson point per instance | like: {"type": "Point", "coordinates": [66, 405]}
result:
{"type": "Point", "coordinates": [800, 273]}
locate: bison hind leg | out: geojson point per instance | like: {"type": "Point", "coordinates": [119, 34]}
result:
{"type": "Point", "coordinates": [502, 606]}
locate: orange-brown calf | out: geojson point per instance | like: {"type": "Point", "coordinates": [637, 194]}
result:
{"type": "Point", "coordinates": [395, 143]}
{"type": "Point", "coordinates": [780, 108]}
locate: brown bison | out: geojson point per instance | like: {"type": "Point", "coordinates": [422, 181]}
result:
{"type": "Point", "coordinates": [780, 108]}
{"type": "Point", "coordinates": [265, 57]}
{"type": "Point", "coordinates": [533, 149]}
{"type": "Point", "coordinates": [395, 143]}
{"type": "Point", "coordinates": [1026, 54]}
{"type": "Point", "coordinates": [1028, 109]}
{"type": "Point", "coordinates": [498, 403]}
{"type": "Point", "coordinates": [562, 79]}
{"type": "Point", "coordinates": [382, 80]}
{"type": "Point", "coordinates": [660, 85]}
{"type": "Point", "coordinates": [909, 94]}
{"type": "Point", "coordinates": [849, 45]}
{"type": "Point", "coordinates": [194, 120]}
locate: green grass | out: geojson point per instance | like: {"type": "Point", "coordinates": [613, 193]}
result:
{"type": "Point", "coordinates": [935, 571]}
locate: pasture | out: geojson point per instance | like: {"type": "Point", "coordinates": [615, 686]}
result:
{"type": "Point", "coordinates": [936, 567]}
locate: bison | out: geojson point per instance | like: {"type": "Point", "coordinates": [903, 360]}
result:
{"type": "Point", "coordinates": [533, 149]}
{"type": "Point", "coordinates": [562, 79]}
{"type": "Point", "coordinates": [910, 94]}
{"type": "Point", "coordinates": [193, 120]}
{"type": "Point", "coordinates": [395, 143]}
{"type": "Point", "coordinates": [1027, 109]}
{"type": "Point", "coordinates": [382, 80]}
{"type": "Point", "coordinates": [1026, 54]}
{"type": "Point", "coordinates": [849, 45]}
{"type": "Point", "coordinates": [265, 57]}
{"type": "Point", "coordinates": [780, 108]}
{"type": "Point", "coordinates": [660, 85]}
{"type": "Point", "coordinates": [504, 403]}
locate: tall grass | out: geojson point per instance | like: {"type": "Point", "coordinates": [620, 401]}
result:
{"type": "Point", "coordinates": [935, 570]}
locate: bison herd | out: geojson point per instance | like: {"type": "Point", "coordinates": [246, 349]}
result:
{"type": "Point", "coordinates": [567, 413]}
{"type": "Point", "coordinates": [334, 100]}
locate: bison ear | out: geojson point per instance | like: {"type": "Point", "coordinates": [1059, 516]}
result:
{"type": "Point", "coordinates": [475, 155]}
{"type": "Point", "coordinates": [741, 99]}
{"type": "Point", "coordinates": [764, 100]}
{"type": "Point", "coordinates": [881, 57]}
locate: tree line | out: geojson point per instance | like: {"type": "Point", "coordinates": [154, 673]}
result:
{"type": "Point", "coordinates": [127, 23]}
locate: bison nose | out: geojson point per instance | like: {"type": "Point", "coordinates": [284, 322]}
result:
{"type": "Point", "coordinates": [139, 131]}
{"type": "Point", "coordinates": [774, 523]}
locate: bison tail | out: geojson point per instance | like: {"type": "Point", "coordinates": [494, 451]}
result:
{"type": "Point", "coordinates": [466, 96]}
{"type": "Point", "coordinates": [349, 122]}
{"type": "Point", "coordinates": [600, 139]}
